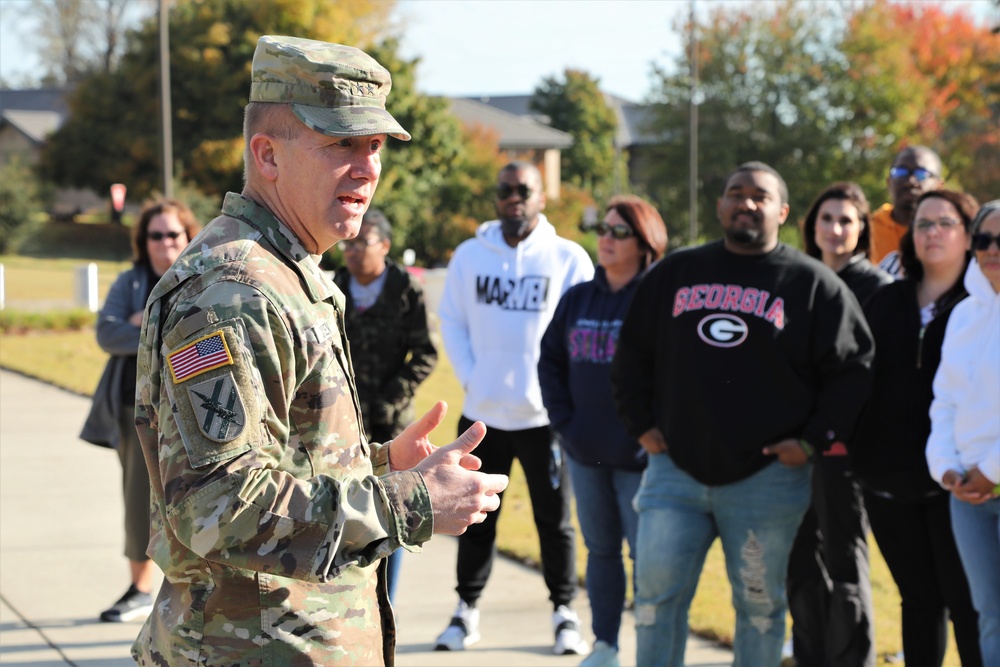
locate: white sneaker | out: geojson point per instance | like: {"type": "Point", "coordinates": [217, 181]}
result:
{"type": "Point", "coordinates": [603, 655]}
{"type": "Point", "coordinates": [463, 631]}
{"type": "Point", "coordinates": [566, 625]}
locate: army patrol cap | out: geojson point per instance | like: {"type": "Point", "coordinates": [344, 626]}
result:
{"type": "Point", "coordinates": [337, 90]}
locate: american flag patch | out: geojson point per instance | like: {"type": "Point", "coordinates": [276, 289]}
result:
{"type": "Point", "coordinates": [202, 355]}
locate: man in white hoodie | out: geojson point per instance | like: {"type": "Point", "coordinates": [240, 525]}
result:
{"type": "Point", "coordinates": [500, 294]}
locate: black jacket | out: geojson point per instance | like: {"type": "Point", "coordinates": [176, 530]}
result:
{"type": "Point", "coordinates": [727, 353]}
{"type": "Point", "coordinates": [391, 351]}
{"type": "Point", "coordinates": [863, 278]}
{"type": "Point", "coordinates": [887, 451]}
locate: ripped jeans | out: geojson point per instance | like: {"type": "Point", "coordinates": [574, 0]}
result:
{"type": "Point", "coordinates": [756, 518]}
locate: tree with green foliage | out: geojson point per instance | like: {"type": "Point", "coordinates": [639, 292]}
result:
{"type": "Point", "coordinates": [760, 98]}
{"type": "Point", "coordinates": [438, 186]}
{"type": "Point", "coordinates": [575, 104]}
{"type": "Point", "coordinates": [113, 131]}
{"type": "Point", "coordinates": [434, 188]}
{"type": "Point", "coordinates": [945, 92]}
{"type": "Point", "coordinates": [824, 93]}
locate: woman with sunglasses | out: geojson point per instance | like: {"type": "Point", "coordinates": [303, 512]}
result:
{"type": "Point", "coordinates": [164, 229]}
{"type": "Point", "coordinates": [829, 589]}
{"type": "Point", "coordinates": [605, 464]}
{"type": "Point", "coordinates": [908, 511]}
{"type": "Point", "coordinates": [963, 451]}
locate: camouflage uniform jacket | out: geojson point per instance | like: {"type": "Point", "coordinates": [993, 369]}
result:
{"type": "Point", "coordinates": [391, 350]}
{"type": "Point", "coordinates": [268, 520]}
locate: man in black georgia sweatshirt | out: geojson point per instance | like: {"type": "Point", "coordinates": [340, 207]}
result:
{"type": "Point", "coordinates": [737, 361]}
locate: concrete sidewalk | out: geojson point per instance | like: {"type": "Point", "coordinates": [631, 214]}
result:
{"type": "Point", "coordinates": [61, 564]}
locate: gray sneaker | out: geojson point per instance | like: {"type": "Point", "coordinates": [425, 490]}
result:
{"type": "Point", "coordinates": [134, 604]}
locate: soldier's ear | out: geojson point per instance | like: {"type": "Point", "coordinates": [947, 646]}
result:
{"type": "Point", "coordinates": [262, 148]}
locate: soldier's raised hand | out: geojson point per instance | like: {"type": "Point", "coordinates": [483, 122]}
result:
{"type": "Point", "coordinates": [460, 495]}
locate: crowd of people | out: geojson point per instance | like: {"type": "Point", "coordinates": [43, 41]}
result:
{"type": "Point", "coordinates": [785, 402]}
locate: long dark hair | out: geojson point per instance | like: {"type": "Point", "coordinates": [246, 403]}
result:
{"type": "Point", "coordinates": [846, 191]}
{"type": "Point", "coordinates": [967, 207]}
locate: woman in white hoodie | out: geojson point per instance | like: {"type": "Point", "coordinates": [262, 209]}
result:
{"type": "Point", "coordinates": [963, 451]}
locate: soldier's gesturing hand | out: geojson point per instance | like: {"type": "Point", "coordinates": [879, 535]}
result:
{"type": "Point", "coordinates": [460, 496]}
{"type": "Point", "coordinates": [413, 445]}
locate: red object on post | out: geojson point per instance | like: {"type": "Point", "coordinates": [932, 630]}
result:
{"type": "Point", "coordinates": [118, 196]}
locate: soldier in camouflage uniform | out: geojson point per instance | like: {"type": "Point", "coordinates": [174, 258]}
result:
{"type": "Point", "coordinates": [271, 510]}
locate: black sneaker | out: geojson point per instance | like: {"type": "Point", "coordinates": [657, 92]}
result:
{"type": "Point", "coordinates": [134, 604]}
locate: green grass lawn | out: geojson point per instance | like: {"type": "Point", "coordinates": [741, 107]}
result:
{"type": "Point", "coordinates": [72, 360]}
{"type": "Point", "coordinates": [42, 284]}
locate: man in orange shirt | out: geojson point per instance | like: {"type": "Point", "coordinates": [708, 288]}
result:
{"type": "Point", "coordinates": [915, 170]}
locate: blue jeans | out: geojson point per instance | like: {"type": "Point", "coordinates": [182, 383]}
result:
{"type": "Point", "coordinates": [756, 518]}
{"type": "Point", "coordinates": [395, 562]}
{"type": "Point", "coordinates": [604, 508]}
{"type": "Point", "coordinates": [977, 534]}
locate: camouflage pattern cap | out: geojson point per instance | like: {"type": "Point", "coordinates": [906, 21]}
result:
{"type": "Point", "coordinates": [334, 89]}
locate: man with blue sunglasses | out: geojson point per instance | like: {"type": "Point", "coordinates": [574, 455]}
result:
{"type": "Point", "coordinates": [916, 170]}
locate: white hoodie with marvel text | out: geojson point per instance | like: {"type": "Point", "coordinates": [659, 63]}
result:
{"type": "Point", "coordinates": [496, 305]}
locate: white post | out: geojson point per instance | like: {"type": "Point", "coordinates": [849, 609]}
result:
{"type": "Point", "coordinates": [86, 287]}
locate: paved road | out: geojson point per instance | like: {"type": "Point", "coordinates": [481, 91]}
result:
{"type": "Point", "coordinates": [61, 563]}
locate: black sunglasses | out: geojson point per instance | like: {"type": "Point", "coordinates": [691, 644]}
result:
{"type": "Point", "coordinates": [505, 190]}
{"type": "Point", "coordinates": [919, 173]}
{"type": "Point", "coordinates": [159, 236]}
{"type": "Point", "coordinates": [617, 231]}
{"type": "Point", "coordinates": [982, 240]}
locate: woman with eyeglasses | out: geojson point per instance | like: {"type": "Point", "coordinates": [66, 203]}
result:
{"type": "Point", "coordinates": [829, 588]}
{"type": "Point", "coordinates": [963, 451]}
{"type": "Point", "coordinates": [164, 229]}
{"type": "Point", "coordinates": [908, 511]}
{"type": "Point", "coordinates": [605, 464]}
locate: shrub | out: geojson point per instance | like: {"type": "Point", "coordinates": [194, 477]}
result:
{"type": "Point", "coordinates": [19, 321]}
{"type": "Point", "coordinates": [20, 201]}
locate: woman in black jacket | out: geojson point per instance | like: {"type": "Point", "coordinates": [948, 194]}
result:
{"type": "Point", "coordinates": [829, 588]}
{"type": "Point", "coordinates": [908, 511]}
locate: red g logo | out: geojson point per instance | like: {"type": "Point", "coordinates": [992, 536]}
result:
{"type": "Point", "coordinates": [723, 330]}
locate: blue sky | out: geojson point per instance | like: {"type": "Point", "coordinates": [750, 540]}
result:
{"type": "Point", "coordinates": [482, 46]}
{"type": "Point", "coordinates": [476, 47]}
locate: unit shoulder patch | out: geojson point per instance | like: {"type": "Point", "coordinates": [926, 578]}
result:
{"type": "Point", "coordinates": [218, 408]}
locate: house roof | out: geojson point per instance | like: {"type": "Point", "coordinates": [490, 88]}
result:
{"type": "Point", "coordinates": [515, 132]}
{"type": "Point", "coordinates": [36, 112]}
{"type": "Point", "coordinates": [632, 118]}
{"type": "Point", "coordinates": [36, 125]}
{"type": "Point", "coordinates": [35, 99]}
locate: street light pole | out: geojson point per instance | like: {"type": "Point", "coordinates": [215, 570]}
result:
{"type": "Point", "coordinates": [693, 137]}
{"type": "Point", "coordinates": [165, 111]}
